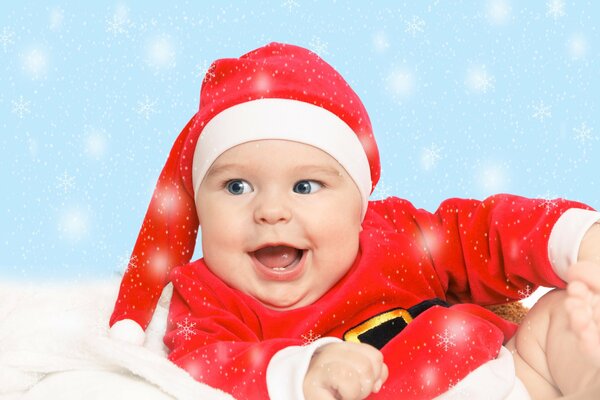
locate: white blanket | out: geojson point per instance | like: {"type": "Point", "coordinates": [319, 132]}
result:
{"type": "Point", "coordinates": [54, 344]}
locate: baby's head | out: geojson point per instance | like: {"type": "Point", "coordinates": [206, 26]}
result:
{"type": "Point", "coordinates": [281, 175]}
{"type": "Point", "coordinates": [277, 164]}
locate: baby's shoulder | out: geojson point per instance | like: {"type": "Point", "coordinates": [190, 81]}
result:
{"type": "Point", "coordinates": [390, 210]}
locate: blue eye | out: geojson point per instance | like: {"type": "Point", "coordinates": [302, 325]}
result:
{"type": "Point", "coordinates": [307, 187]}
{"type": "Point", "coordinates": [238, 186]}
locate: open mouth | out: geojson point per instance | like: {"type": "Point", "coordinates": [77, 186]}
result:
{"type": "Point", "coordinates": [280, 262]}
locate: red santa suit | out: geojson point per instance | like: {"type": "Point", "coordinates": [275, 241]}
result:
{"type": "Point", "coordinates": [475, 252]}
{"type": "Point", "coordinates": [466, 252]}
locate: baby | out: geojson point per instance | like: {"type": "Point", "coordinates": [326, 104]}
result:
{"type": "Point", "coordinates": [307, 290]}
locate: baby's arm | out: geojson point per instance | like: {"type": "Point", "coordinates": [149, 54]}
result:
{"type": "Point", "coordinates": [344, 371]}
{"type": "Point", "coordinates": [583, 302]}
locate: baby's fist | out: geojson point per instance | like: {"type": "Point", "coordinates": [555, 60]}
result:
{"type": "Point", "coordinates": [346, 371]}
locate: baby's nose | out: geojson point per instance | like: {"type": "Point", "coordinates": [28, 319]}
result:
{"type": "Point", "coordinates": [271, 209]}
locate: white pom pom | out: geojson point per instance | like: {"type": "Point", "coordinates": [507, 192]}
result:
{"type": "Point", "coordinates": [128, 331]}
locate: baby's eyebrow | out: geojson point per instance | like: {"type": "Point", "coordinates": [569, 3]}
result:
{"type": "Point", "coordinates": [322, 169]}
{"type": "Point", "coordinates": [216, 170]}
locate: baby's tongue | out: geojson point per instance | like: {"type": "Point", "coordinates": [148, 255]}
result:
{"type": "Point", "coordinates": [276, 256]}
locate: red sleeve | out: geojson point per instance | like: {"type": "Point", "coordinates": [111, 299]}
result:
{"type": "Point", "coordinates": [489, 251]}
{"type": "Point", "coordinates": [218, 340]}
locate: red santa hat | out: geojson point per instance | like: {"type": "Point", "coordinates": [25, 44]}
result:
{"type": "Point", "coordinates": [278, 91]}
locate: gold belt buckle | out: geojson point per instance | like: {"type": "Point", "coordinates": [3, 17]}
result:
{"type": "Point", "coordinates": [352, 334]}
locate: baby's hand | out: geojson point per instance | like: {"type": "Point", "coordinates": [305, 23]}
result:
{"type": "Point", "coordinates": [583, 306]}
{"type": "Point", "coordinates": [344, 371]}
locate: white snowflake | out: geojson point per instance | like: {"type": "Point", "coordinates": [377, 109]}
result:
{"type": "Point", "coordinates": [382, 191]}
{"type": "Point", "coordinates": [205, 70]}
{"type": "Point", "coordinates": [126, 261]}
{"type": "Point", "coordinates": [583, 134]}
{"type": "Point", "coordinates": [549, 201]}
{"type": "Point", "coordinates": [119, 22]}
{"type": "Point", "coordinates": [446, 340]}
{"type": "Point", "coordinates": [21, 107]}
{"type": "Point", "coordinates": [290, 4]}
{"type": "Point", "coordinates": [542, 111]}
{"type": "Point", "coordinates": [6, 38]}
{"type": "Point", "coordinates": [415, 25]}
{"type": "Point", "coordinates": [318, 46]}
{"type": "Point", "coordinates": [479, 79]}
{"type": "Point", "coordinates": [146, 107]}
{"type": "Point", "coordinates": [555, 9]}
{"type": "Point", "coordinates": [309, 337]}
{"type": "Point", "coordinates": [524, 293]}
{"type": "Point", "coordinates": [187, 329]}
{"type": "Point", "coordinates": [66, 182]}
{"type": "Point", "coordinates": [430, 156]}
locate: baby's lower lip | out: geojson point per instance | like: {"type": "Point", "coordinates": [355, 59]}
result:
{"type": "Point", "coordinates": [289, 273]}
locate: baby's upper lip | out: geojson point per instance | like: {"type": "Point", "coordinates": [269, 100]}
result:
{"type": "Point", "coordinates": [275, 244]}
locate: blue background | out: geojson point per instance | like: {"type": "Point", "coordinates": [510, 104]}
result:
{"type": "Point", "coordinates": [467, 98]}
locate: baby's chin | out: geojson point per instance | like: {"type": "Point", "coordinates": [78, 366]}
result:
{"type": "Point", "coordinates": [286, 302]}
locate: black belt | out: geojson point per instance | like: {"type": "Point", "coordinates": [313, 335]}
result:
{"type": "Point", "coordinates": [382, 328]}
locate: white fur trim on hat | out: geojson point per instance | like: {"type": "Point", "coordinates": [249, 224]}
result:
{"type": "Point", "coordinates": [285, 119]}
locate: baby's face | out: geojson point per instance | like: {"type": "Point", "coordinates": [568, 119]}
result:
{"type": "Point", "coordinates": [280, 221]}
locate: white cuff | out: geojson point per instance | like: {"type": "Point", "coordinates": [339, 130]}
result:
{"type": "Point", "coordinates": [494, 380]}
{"type": "Point", "coordinates": [566, 236]}
{"type": "Point", "coordinates": [287, 368]}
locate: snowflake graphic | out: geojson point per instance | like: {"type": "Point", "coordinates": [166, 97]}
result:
{"type": "Point", "coordinates": [119, 22]}
{"type": "Point", "coordinates": [524, 293]}
{"type": "Point", "coordinates": [186, 329]}
{"type": "Point", "coordinates": [146, 107]}
{"type": "Point", "coordinates": [414, 26]}
{"type": "Point", "coordinates": [548, 201]}
{"type": "Point", "coordinates": [309, 337]}
{"type": "Point", "coordinates": [542, 111]}
{"type": "Point", "coordinates": [430, 156]}
{"type": "Point", "coordinates": [206, 71]}
{"type": "Point", "coordinates": [446, 340]}
{"type": "Point", "coordinates": [21, 107]}
{"type": "Point", "coordinates": [555, 9]}
{"type": "Point", "coordinates": [318, 46]}
{"type": "Point", "coordinates": [583, 134]}
{"type": "Point", "coordinates": [290, 4]}
{"type": "Point", "coordinates": [382, 191]}
{"type": "Point", "coordinates": [125, 261]}
{"type": "Point", "coordinates": [6, 38]}
{"type": "Point", "coordinates": [480, 80]}
{"type": "Point", "coordinates": [65, 182]}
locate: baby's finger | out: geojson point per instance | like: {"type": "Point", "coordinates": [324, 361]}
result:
{"type": "Point", "coordinates": [586, 272]}
{"type": "Point", "coordinates": [374, 356]}
{"type": "Point", "coordinates": [348, 384]}
{"type": "Point", "coordinates": [382, 378]}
